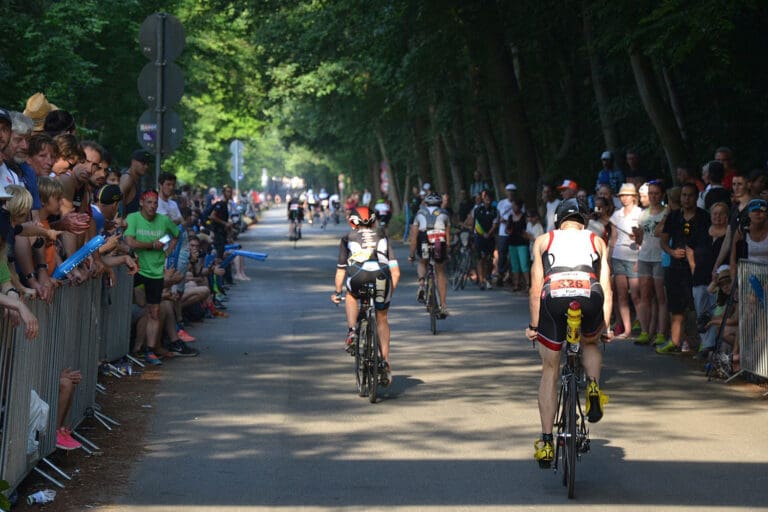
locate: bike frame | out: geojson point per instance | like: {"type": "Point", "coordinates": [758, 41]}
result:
{"type": "Point", "coordinates": [367, 346]}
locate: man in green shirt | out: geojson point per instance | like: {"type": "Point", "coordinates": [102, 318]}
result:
{"type": "Point", "coordinates": [144, 234]}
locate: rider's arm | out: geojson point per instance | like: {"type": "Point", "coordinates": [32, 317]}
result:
{"type": "Point", "coordinates": [605, 282]}
{"type": "Point", "coordinates": [414, 235]}
{"type": "Point", "coordinates": [394, 271]}
{"type": "Point", "coordinates": [537, 281]}
{"type": "Point", "coordinates": [339, 280]}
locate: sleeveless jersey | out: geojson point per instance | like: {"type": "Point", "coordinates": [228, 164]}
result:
{"type": "Point", "coordinates": [570, 263]}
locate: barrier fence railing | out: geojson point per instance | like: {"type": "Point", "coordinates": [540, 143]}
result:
{"type": "Point", "coordinates": [753, 317]}
{"type": "Point", "coordinates": [82, 327]}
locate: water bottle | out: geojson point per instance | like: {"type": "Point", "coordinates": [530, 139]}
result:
{"type": "Point", "coordinates": [425, 251]}
{"type": "Point", "coordinates": [70, 263]}
{"type": "Point", "coordinates": [41, 497]}
{"type": "Point", "coordinates": [573, 329]}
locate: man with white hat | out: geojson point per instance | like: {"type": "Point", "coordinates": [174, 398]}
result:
{"type": "Point", "coordinates": [502, 240]}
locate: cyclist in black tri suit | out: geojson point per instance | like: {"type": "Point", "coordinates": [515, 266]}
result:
{"type": "Point", "coordinates": [366, 256]}
{"type": "Point", "coordinates": [295, 216]}
{"type": "Point", "coordinates": [569, 264]}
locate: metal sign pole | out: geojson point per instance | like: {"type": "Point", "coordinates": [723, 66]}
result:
{"type": "Point", "coordinates": [159, 107]}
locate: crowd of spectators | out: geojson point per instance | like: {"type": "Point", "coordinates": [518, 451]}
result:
{"type": "Point", "coordinates": [58, 193]}
{"type": "Point", "coordinates": [674, 243]}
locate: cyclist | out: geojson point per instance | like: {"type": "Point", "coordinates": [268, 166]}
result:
{"type": "Point", "coordinates": [569, 264]}
{"type": "Point", "coordinates": [364, 256]}
{"type": "Point", "coordinates": [432, 226]}
{"type": "Point", "coordinates": [295, 217]}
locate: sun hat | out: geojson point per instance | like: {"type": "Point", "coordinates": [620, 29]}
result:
{"type": "Point", "coordinates": [627, 189]}
{"type": "Point", "coordinates": [37, 108]}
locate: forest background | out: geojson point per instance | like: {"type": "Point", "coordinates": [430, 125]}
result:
{"type": "Point", "coordinates": [524, 91]}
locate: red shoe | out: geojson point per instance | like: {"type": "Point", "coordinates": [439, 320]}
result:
{"type": "Point", "coordinates": [64, 441]}
{"type": "Point", "coordinates": [185, 336]}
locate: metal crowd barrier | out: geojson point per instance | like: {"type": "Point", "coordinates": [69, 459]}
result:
{"type": "Point", "coordinates": [116, 305]}
{"type": "Point", "coordinates": [753, 317]}
{"type": "Point", "coordinates": [73, 333]}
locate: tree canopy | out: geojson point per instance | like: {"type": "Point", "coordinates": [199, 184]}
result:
{"type": "Point", "coordinates": [522, 91]}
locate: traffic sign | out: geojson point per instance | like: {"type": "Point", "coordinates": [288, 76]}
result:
{"type": "Point", "coordinates": [173, 84]}
{"type": "Point", "coordinates": [172, 42]}
{"type": "Point", "coordinates": [173, 131]}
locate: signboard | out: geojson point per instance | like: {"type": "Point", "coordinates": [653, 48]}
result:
{"type": "Point", "coordinates": [146, 131]}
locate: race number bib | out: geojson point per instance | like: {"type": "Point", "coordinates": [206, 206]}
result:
{"type": "Point", "coordinates": [293, 207]}
{"type": "Point", "coordinates": [435, 235]}
{"type": "Point", "coordinates": [569, 284]}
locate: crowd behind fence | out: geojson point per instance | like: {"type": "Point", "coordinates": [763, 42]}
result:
{"type": "Point", "coordinates": [84, 326]}
{"type": "Point", "coordinates": [753, 317]}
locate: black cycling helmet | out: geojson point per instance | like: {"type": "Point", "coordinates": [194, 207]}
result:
{"type": "Point", "coordinates": [433, 199]}
{"type": "Point", "coordinates": [361, 216]}
{"type": "Point", "coordinates": [572, 209]}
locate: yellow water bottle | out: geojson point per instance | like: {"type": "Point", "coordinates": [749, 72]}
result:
{"type": "Point", "coordinates": [573, 329]}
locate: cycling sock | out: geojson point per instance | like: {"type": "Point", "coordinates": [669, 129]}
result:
{"type": "Point", "coordinates": [547, 438]}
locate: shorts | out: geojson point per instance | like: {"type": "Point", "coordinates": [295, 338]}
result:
{"type": "Point", "coordinates": [519, 259]}
{"type": "Point", "coordinates": [370, 272]}
{"type": "Point", "coordinates": [623, 268]}
{"type": "Point", "coordinates": [553, 315]}
{"type": "Point", "coordinates": [153, 288]}
{"type": "Point", "coordinates": [438, 249]}
{"type": "Point", "coordinates": [650, 269]}
{"type": "Point", "coordinates": [484, 246]}
{"type": "Point", "coordinates": [678, 283]}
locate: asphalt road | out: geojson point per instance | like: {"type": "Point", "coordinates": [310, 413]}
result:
{"type": "Point", "coordinates": [267, 418]}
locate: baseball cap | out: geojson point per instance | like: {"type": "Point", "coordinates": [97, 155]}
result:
{"type": "Point", "coordinates": [606, 155]}
{"type": "Point", "coordinates": [5, 116]}
{"type": "Point", "coordinates": [510, 186]}
{"type": "Point", "coordinates": [109, 194]}
{"type": "Point", "coordinates": [757, 205]}
{"type": "Point", "coordinates": [568, 184]}
{"type": "Point", "coordinates": [426, 186]}
{"type": "Point", "coordinates": [4, 194]}
{"type": "Point", "coordinates": [141, 156]}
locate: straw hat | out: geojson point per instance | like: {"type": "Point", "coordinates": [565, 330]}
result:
{"type": "Point", "coordinates": [38, 107]}
{"type": "Point", "coordinates": [628, 189]}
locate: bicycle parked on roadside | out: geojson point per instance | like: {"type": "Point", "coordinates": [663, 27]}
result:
{"type": "Point", "coordinates": [461, 261]}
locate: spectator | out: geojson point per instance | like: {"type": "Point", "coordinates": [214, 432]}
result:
{"type": "Point", "coordinates": [609, 175]}
{"type": "Point", "coordinates": [600, 223]}
{"type": "Point", "coordinates": [756, 237]}
{"type": "Point", "coordinates": [649, 270]}
{"type": "Point", "coordinates": [37, 109]}
{"type": "Point", "coordinates": [130, 181]}
{"type": "Point", "coordinates": [568, 189]}
{"type": "Point", "coordinates": [483, 221]}
{"type": "Point", "coordinates": [624, 252]}
{"type": "Point", "coordinates": [533, 229]}
{"type": "Point", "coordinates": [606, 192]}
{"type": "Point", "coordinates": [59, 122]}
{"type": "Point", "coordinates": [685, 174]}
{"type": "Point", "coordinates": [478, 184]}
{"type": "Point", "coordinates": [18, 151]}
{"type": "Point", "coordinates": [42, 154]}
{"type": "Point", "coordinates": [635, 173]}
{"type": "Point", "coordinates": [519, 255]}
{"type": "Point", "coordinates": [680, 228]}
{"type": "Point", "coordinates": [714, 192]}
{"type": "Point", "coordinates": [465, 206]}
{"type": "Point", "coordinates": [504, 207]}
{"type": "Point", "coordinates": [549, 202]}
{"type": "Point", "coordinates": [724, 155]}
{"type": "Point", "coordinates": [68, 152]}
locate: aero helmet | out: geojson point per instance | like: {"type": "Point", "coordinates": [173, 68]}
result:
{"type": "Point", "coordinates": [361, 216]}
{"type": "Point", "coordinates": [571, 209]}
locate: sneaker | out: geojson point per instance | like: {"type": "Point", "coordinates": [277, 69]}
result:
{"type": "Point", "coordinates": [442, 312]}
{"type": "Point", "coordinates": [660, 339]}
{"type": "Point", "coordinates": [221, 297]}
{"type": "Point", "coordinates": [221, 314]}
{"type": "Point", "coordinates": [668, 347]}
{"type": "Point", "coordinates": [636, 326]}
{"type": "Point", "coordinates": [151, 358]}
{"type": "Point", "coordinates": [179, 348]}
{"type": "Point", "coordinates": [643, 339]}
{"type": "Point", "coordinates": [64, 440]}
{"type": "Point", "coordinates": [421, 295]}
{"type": "Point", "coordinates": [543, 453]}
{"type": "Point", "coordinates": [185, 336]}
{"type": "Point", "coordinates": [385, 377]}
{"type": "Point", "coordinates": [596, 401]}
{"type": "Point", "coordinates": [349, 343]}
{"type": "Point", "coordinates": [488, 285]}
{"type": "Point", "coordinates": [686, 348]}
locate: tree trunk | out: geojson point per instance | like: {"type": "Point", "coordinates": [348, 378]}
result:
{"type": "Point", "coordinates": [674, 102]}
{"type": "Point", "coordinates": [422, 149]}
{"type": "Point", "coordinates": [601, 96]}
{"type": "Point", "coordinates": [658, 111]}
{"type": "Point", "coordinates": [374, 166]}
{"type": "Point", "coordinates": [441, 176]}
{"type": "Point", "coordinates": [455, 167]}
{"type": "Point", "coordinates": [394, 195]}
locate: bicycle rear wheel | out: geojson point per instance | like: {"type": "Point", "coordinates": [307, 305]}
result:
{"type": "Point", "coordinates": [571, 432]}
{"type": "Point", "coordinates": [372, 359]}
{"type": "Point", "coordinates": [432, 303]}
{"type": "Point", "coordinates": [360, 372]}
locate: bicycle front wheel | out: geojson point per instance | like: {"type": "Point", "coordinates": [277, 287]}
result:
{"type": "Point", "coordinates": [372, 358]}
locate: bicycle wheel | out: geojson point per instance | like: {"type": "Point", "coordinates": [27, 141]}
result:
{"type": "Point", "coordinates": [432, 303]}
{"type": "Point", "coordinates": [360, 372]}
{"type": "Point", "coordinates": [571, 431]}
{"type": "Point", "coordinates": [464, 266]}
{"type": "Point", "coordinates": [372, 347]}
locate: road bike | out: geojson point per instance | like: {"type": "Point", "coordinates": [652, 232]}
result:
{"type": "Point", "coordinates": [370, 368]}
{"type": "Point", "coordinates": [461, 262]}
{"type": "Point", "coordinates": [433, 306]}
{"type": "Point", "coordinates": [572, 434]}
{"type": "Point", "coordinates": [295, 232]}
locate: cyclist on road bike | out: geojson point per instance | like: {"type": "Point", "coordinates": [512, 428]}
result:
{"type": "Point", "coordinates": [295, 217]}
{"type": "Point", "coordinates": [569, 264]}
{"type": "Point", "coordinates": [366, 256]}
{"type": "Point", "coordinates": [432, 227]}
